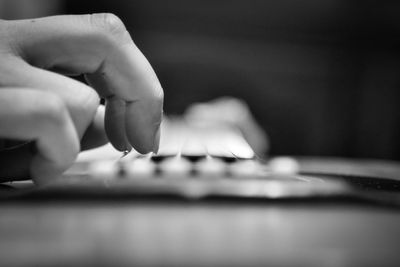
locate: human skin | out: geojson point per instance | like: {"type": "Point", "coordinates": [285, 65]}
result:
{"type": "Point", "coordinates": [60, 115]}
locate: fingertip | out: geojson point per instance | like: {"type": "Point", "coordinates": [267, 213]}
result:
{"type": "Point", "coordinates": [142, 124]}
{"type": "Point", "coordinates": [120, 144]}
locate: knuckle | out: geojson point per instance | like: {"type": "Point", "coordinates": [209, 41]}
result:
{"type": "Point", "coordinates": [88, 100]}
{"type": "Point", "coordinates": [51, 111]}
{"type": "Point", "coordinates": [159, 95]}
{"type": "Point", "coordinates": [108, 22]}
{"type": "Point", "coordinates": [84, 105]}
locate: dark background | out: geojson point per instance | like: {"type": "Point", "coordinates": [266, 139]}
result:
{"type": "Point", "coordinates": [321, 76]}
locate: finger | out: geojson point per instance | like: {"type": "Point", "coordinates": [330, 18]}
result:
{"type": "Point", "coordinates": [27, 114]}
{"type": "Point", "coordinates": [115, 126]}
{"type": "Point", "coordinates": [95, 135]}
{"type": "Point", "coordinates": [100, 46]}
{"type": "Point", "coordinates": [128, 69]}
{"type": "Point", "coordinates": [81, 100]}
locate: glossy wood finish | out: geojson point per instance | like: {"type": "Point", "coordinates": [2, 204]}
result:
{"type": "Point", "coordinates": [161, 232]}
{"type": "Point", "coordinates": [172, 234]}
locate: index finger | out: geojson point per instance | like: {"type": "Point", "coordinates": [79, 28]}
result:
{"type": "Point", "coordinates": [99, 46]}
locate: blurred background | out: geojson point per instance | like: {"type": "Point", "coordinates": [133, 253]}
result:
{"type": "Point", "coordinates": [322, 77]}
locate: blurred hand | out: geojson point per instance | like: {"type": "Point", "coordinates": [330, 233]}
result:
{"type": "Point", "coordinates": [57, 113]}
{"type": "Point", "coordinates": [234, 112]}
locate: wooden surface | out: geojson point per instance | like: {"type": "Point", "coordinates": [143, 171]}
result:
{"type": "Point", "coordinates": [184, 234]}
{"type": "Point", "coordinates": [163, 232]}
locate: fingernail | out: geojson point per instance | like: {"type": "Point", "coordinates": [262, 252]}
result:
{"type": "Point", "coordinates": [125, 146]}
{"type": "Point", "coordinates": [156, 143]}
{"type": "Point", "coordinates": [128, 146]}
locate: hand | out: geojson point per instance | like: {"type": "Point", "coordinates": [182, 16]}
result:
{"type": "Point", "coordinates": [235, 113]}
{"type": "Point", "coordinates": [58, 113]}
